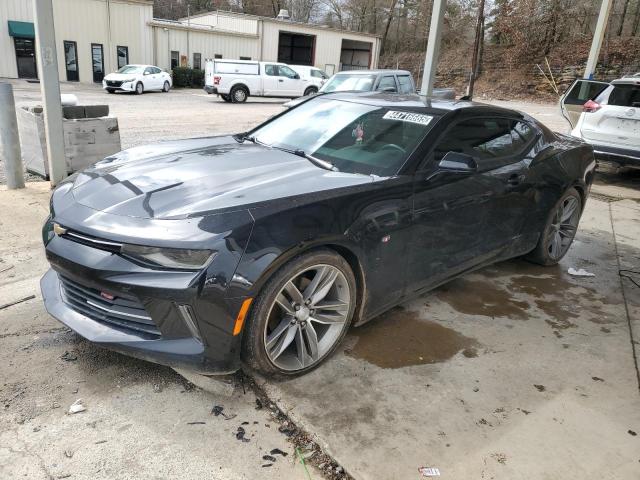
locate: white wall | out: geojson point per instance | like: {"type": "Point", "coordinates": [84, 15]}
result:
{"type": "Point", "coordinates": [328, 43]}
{"type": "Point", "coordinates": [85, 22]}
{"type": "Point", "coordinates": [207, 44]}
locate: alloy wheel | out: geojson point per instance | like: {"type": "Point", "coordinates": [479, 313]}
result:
{"type": "Point", "coordinates": [307, 317]}
{"type": "Point", "coordinates": [563, 227]}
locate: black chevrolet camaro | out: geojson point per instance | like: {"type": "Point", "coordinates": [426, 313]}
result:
{"type": "Point", "coordinates": [264, 247]}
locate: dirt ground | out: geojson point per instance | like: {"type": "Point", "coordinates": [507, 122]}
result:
{"type": "Point", "coordinates": [511, 372]}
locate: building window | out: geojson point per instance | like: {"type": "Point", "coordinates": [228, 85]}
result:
{"type": "Point", "coordinates": [197, 61]}
{"type": "Point", "coordinates": [175, 59]}
{"type": "Point", "coordinates": [245, 58]}
{"type": "Point", "coordinates": [217, 55]}
{"type": "Point", "coordinates": [71, 60]}
{"type": "Point", "coordinates": [97, 59]}
{"type": "Point", "coordinates": [123, 56]}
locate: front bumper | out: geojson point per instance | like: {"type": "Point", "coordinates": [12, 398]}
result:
{"type": "Point", "coordinates": [103, 296]}
{"type": "Point", "coordinates": [122, 87]}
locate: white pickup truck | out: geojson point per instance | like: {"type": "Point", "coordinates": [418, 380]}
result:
{"type": "Point", "coordinates": [236, 80]}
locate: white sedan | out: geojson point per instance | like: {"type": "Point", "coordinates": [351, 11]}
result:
{"type": "Point", "coordinates": [138, 79]}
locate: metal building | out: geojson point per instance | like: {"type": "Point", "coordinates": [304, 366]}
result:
{"type": "Point", "coordinates": [95, 37]}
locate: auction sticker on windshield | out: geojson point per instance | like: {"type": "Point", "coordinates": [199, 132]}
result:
{"type": "Point", "coordinates": [408, 117]}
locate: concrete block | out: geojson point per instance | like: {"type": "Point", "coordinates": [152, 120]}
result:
{"type": "Point", "coordinates": [96, 111]}
{"type": "Point", "coordinates": [72, 112]}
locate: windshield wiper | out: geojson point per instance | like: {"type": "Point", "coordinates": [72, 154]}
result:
{"type": "Point", "coordinates": [316, 161]}
{"type": "Point", "coordinates": [245, 137]}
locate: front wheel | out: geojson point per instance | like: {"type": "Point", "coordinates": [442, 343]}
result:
{"type": "Point", "coordinates": [310, 91]}
{"type": "Point", "coordinates": [139, 88]}
{"type": "Point", "coordinates": [559, 230]}
{"type": "Point", "coordinates": [166, 87]}
{"type": "Point", "coordinates": [301, 315]}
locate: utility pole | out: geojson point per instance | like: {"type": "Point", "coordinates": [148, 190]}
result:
{"type": "Point", "coordinates": [188, 30]}
{"type": "Point", "coordinates": [9, 140]}
{"type": "Point", "coordinates": [476, 49]}
{"type": "Point", "coordinates": [50, 88]}
{"type": "Point", "coordinates": [598, 36]}
{"type": "Point", "coordinates": [433, 47]}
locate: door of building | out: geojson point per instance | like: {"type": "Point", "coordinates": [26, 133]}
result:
{"type": "Point", "coordinates": [26, 57]}
{"type": "Point", "coordinates": [97, 58]}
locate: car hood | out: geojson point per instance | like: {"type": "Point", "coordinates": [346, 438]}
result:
{"type": "Point", "coordinates": [196, 177]}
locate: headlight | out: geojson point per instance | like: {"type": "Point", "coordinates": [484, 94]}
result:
{"type": "Point", "coordinates": [128, 80]}
{"type": "Point", "coordinates": [179, 258]}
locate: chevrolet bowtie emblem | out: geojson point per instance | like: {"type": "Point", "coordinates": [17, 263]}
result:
{"type": "Point", "coordinates": [58, 229]}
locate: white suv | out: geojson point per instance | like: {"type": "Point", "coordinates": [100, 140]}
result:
{"type": "Point", "coordinates": [606, 115]}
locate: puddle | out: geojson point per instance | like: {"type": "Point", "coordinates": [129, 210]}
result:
{"type": "Point", "coordinates": [482, 297]}
{"type": "Point", "coordinates": [399, 338]}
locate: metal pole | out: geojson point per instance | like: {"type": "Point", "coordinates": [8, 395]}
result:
{"type": "Point", "coordinates": [50, 87]}
{"type": "Point", "coordinates": [433, 47]}
{"type": "Point", "coordinates": [9, 140]}
{"type": "Point", "coordinates": [598, 36]}
{"type": "Point", "coordinates": [188, 30]}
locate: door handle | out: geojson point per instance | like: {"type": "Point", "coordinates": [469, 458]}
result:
{"type": "Point", "coordinates": [280, 80]}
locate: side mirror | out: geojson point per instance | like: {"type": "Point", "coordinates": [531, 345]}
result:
{"type": "Point", "coordinates": [458, 162]}
{"type": "Point", "coordinates": [296, 76]}
{"type": "Point", "coordinates": [147, 73]}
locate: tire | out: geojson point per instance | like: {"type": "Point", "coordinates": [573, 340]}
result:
{"type": "Point", "coordinates": [110, 90]}
{"type": "Point", "coordinates": [139, 88]}
{"type": "Point", "coordinates": [226, 98]}
{"type": "Point", "coordinates": [310, 91]}
{"type": "Point", "coordinates": [548, 252]}
{"type": "Point", "coordinates": [166, 87]}
{"type": "Point", "coordinates": [239, 94]}
{"type": "Point", "coordinates": [268, 317]}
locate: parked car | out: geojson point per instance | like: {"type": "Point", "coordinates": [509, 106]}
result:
{"type": "Point", "coordinates": [391, 81]}
{"type": "Point", "coordinates": [606, 115]}
{"type": "Point", "coordinates": [315, 77]}
{"type": "Point", "coordinates": [138, 79]}
{"type": "Point", "coordinates": [267, 245]}
{"type": "Point", "coordinates": [236, 80]}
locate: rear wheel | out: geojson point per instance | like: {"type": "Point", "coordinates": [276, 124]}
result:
{"type": "Point", "coordinates": [139, 88]}
{"type": "Point", "coordinates": [226, 98]}
{"type": "Point", "coordinates": [301, 315]}
{"type": "Point", "coordinates": [239, 94]}
{"type": "Point", "coordinates": [310, 91]}
{"type": "Point", "coordinates": [559, 230]}
{"type": "Point", "coordinates": [166, 87]}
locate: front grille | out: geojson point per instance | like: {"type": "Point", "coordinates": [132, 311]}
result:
{"type": "Point", "coordinates": [119, 311]}
{"type": "Point", "coordinates": [90, 241]}
{"type": "Point", "coordinates": [113, 83]}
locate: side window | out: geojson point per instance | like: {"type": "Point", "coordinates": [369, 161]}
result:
{"type": "Point", "coordinates": [316, 74]}
{"type": "Point", "coordinates": [620, 95]}
{"type": "Point", "coordinates": [148, 71]}
{"type": "Point", "coordinates": [521, 134]}
{"type": "Point", "coordinates": [156, 70]}
{"type": "Point", "coordinates": [489, 140]}
{"type": "Point", "coordinates": [582, 91]}
{"type": "Point", "coordinates": [387, 82]}
{"type": "Point", "coordinates": [405, 84]}
{"type": "Point", "coordinates": [271, 70]}
{"type": "Point", "coordinates": [286, 71]}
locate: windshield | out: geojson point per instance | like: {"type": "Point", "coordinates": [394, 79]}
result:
{"type": "Point", "coordinates": [343, 83]}
{"type": "Point", "coordinates": [353, 137]}
{"type": "Point", "coordinates": [131, 69]}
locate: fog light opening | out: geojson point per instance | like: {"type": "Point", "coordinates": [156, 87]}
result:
{"type": "Point", "coordinates": [187, 315]}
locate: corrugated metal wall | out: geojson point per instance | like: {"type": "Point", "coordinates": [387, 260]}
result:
{"type": "Point", "coordinates": [328, 43]}
{"type": "Point", "coordinates": [232, 23]}
{"type": "Point", "coordinates": [208, 44]}
{"type": "Point", "coordinates": [84, 22]}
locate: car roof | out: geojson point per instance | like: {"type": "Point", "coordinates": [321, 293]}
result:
{"type": "Point", "coordinates": [414, 101]}
{"type": "Point", "coordinates": [374, 72]}
{"type": "Point", "coordinates": [628, 80]}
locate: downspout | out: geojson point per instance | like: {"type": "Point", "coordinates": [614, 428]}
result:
{"type": "Point", "coordinates": [261, 33]}
{"type": "Point", "coordinates": [188, 30]}
{"type": "Point", "coordinates": [108, 67]}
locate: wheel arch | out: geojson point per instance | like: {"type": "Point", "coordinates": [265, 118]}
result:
{"type": "Point", "coordinates": [240, 85]}
{"type": "Point", "coordinates": [347, 252]}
